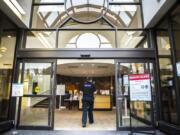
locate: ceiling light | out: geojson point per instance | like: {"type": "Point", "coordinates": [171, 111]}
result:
{"type": "Point", "coordinates": [3, 49]}
{"type": "Point", "coordinates": [167, 46]}
{"type": "Point", "coordinates": [9, 36]}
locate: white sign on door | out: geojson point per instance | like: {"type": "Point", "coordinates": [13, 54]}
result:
{"type": "Point", "coordinates": [17, 90]}
{"type": "Point", "coordinates": [140, 87]}
{"type": "Point", "coordinates": [178, 68]}
{"type": "Point", "coordinates": [60, 90]}
{"type": "Point", "coordinates": [125, 80]}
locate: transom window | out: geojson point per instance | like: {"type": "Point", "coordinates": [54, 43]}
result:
{"type": "Point", "coordinates": [82, 41]}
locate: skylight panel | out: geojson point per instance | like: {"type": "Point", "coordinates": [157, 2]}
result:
{"type": "Point", "coordinates": [51, 18]}
{"type": "Point", "coordinates": [126, 19]}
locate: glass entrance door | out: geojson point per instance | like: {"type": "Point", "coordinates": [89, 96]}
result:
{"type": "Point", "coordinates": [35, 109]}
{"type": "Point", "coordinates": [129, 76]}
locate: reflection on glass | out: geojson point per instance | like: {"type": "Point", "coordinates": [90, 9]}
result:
{"type": "Point", "coordinates": [7, 48]}
{"type": "Point", "coordinates": [132, 39]}
{"type": "Point", "coordinates": [163, 43]}
{"type": "Point", "coordinates": [41, 39]}
{"type": "Point", "coordinates": [34, 111]}
{"type": "Point", "coordinates": [52, 16]}
{"type": "Point", "coordinates": [168, 94]}
{"type": "Point", "coordinates": [125, 16]}
{"type": "Point", "coordinates": [85, 39]}
{"type": "Point", "coordinates": [37, 78]}
{"type": "Point", "coordinates": [86, 10]}
{"type": "Point", "coordinates": [48, 16]}
{"type": "Point", "coordinates": [140, 110]}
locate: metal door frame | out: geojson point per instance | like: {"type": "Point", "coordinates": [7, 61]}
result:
{"type": "Point", "coordinates": [50, 125]}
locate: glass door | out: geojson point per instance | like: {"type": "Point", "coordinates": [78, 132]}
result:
{"type": "Point", "coordinates": [135, 94]}
{"type": "Point", "coordinates": [35, 109]}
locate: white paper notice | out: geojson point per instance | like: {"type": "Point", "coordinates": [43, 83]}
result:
{"type": "Point", "coordinates": [17, 90]}
{"type": "Point", "coordinates": [140, 87]}
{"type": "Point", "coordinates": [125, 80]}
{"type": "Point", "coordinates": [178, 68]}
{"type": "Point", "coordinates": [60, 90]}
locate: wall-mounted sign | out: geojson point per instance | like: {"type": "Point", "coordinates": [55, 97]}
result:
{"type": "Point", "coordinates": [178, 68]}
{"type": "Point", "coordinates": [140, 87]}
{"type": "Point", "coordinates": [17, 90]}
{"type": "Point", "coordinates": [60, 90]}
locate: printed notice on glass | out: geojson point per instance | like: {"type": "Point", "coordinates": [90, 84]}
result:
{"type": "Point", "coordinates": [140, 87]}
{"type": "Point", "coordinates": [60, 90]}
{"type": "Point", "coordinates": [178, 68]}
{"type": "Point", "coordinates": [17, 90]}
{"type": "Point", "coordinates": [125, 80]}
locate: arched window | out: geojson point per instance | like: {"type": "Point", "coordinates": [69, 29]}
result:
{"type": "Point", "coordinates": [89, 40]}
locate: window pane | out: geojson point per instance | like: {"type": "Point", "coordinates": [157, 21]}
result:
{"type": "Point", "coordinates": [7, 49]}
{"type": "Point", "coordinates": [86, 39]}
{"type": "Point", "coordinates": [163, 43]}
{"type": "Point", "coordinates": [176, 30]}
{"type": "Point", "coordinates": [37, 78]}
{"type": "Point", "coordinates": [41, 39]}
{"type": "Point", "coordinates": [168, 94]}
{"type": "Point", "coordinates": [34, 111]}
{"type": "Point", "coordinates": [125, 16]}
{"type": "Point", "coordinates": [48, 16]}
{"type": "Point", "coordinates": [132, 39]}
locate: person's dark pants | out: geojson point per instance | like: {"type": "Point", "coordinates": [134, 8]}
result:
{"type": "Point", "coordinates": [87, 110]}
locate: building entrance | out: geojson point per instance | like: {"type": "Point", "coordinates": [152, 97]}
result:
{"type": "Point", "coordinates": [51, 97]}
{"type": "Point", "coordinates": [71, 75]}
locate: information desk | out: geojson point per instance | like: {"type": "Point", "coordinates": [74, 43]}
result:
{"type": "Point", "coordinates": [101, 102]}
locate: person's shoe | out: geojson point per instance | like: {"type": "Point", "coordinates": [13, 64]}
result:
{"type": "Point", "coordinates": [83, 125]}
{"type": "Point", "coordinates": [91, 122]}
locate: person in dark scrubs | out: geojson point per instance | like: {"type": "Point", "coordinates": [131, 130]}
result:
{"type": "Point", "coordinates": [87, 90]}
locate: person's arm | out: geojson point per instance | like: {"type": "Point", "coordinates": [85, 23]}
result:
{"type": "Point", "coordinates": [94, 89]}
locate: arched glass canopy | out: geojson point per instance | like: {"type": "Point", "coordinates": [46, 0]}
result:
{"type": "Point", "coordinates": [86, 11]}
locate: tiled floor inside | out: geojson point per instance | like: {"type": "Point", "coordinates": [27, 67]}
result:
{"type": "Point", "coordinates": [30, 132]}
{"type": "Point", "coordinates": [68, 122]}
{"type": "Point", "coordinates": [71, 119]}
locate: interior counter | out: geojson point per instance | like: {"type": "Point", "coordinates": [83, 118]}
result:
{"type": "Point", "coordinates": [101, 102]}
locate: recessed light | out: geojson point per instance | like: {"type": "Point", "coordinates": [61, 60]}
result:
{"type": "Point", "coordinates": [3, 49]}
{"type": "Point", "coordinates": [9, 36]}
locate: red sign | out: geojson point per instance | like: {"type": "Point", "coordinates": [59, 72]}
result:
{"type": "Point", "coordinates": [139, 77]}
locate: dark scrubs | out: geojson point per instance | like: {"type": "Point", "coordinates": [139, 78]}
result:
{"type": "Point", "coordinates": [88, 90]}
